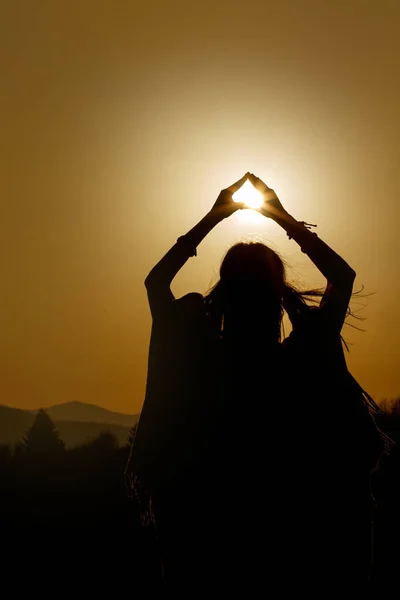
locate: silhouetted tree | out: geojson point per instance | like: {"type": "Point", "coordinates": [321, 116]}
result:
{"type": "Point", "coordinates": [5, 454]}
{"type": "Point", "coordinates": [6, 460]}
{"type": "Point", "coordinates": [42, 437]}
{"type": "Point", "coordinates": [105, 441]}
{"type": "Point", "coordinates": [391, 406]}
{"type": "Point", "coordinates": [131, 436]}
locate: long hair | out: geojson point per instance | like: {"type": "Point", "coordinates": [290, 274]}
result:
{"type": "Point", "coordinates": [251, 269]}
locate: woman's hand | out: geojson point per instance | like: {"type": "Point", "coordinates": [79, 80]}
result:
{"type": "Point", "coordinates": [225, 206]}
{"type": "Point", "coordinates": [272, 206]}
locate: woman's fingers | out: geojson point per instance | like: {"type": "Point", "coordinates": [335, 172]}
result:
{"type": "Point", "coordinates": [258, 183]}
{"type": "Point", "coordinates": [238, 184]}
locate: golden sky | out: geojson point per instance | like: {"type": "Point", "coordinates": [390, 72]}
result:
{"type": "Point", "coordinates": [121, 122]}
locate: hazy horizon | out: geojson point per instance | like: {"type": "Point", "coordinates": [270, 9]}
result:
{"type": "Point", "coordinates": [37, 408]}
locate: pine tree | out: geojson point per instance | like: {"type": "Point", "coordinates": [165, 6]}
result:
{"type": "Point", "coordinates": [42, 437]}
{"type": "Point", "coordinates": [131, 436]}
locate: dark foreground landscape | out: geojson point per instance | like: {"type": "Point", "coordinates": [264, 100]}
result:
{"type": "Point", "coordinates": [67, 510]}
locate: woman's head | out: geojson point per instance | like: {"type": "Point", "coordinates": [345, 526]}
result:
{"type": "Point", "coordinates": [250, 291]}
{"type": "Point", "coordinates": [250, 268]}
{"type": "Point", "coordinates": [253, 289]}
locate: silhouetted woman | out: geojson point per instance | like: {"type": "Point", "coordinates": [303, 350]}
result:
{"type": "Point", "coordinates": [255, 453]}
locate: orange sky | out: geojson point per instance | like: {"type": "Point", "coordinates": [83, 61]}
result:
{"type": "Point", "coordinates": [121, 123]}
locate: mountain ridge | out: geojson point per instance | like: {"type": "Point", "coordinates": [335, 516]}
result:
{"type": "Point", "coordinates": [87, 412]}
{"type": "Point", "coordinates": [75, 427]}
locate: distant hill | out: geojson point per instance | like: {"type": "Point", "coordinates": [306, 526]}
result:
{"type": "Point", "coordinates": [89, 413]}
{"type": "Point", "coordinates": [77, 430]}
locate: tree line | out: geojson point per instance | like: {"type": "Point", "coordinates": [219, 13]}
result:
{"type": "Point", "coordinates": [47, 486]}
{"type": "Point", "coordinates": [44, 484]}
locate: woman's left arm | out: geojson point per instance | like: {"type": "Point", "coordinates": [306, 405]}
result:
{"type": "Point", "coordinates": [159, 280]}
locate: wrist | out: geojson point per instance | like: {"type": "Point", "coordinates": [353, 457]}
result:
{"type": "Point", "coordinates": [283, 218]}
{"type": "Point", "coordinates": [214, 217]}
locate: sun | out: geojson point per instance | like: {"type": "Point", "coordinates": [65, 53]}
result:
{"type": "Point", "coordinates": [249, 195]}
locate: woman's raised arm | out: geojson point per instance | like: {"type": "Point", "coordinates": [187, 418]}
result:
{"type": "Point", "coordinates": [159, 280]}
{"type": "Point", "coordinates": [339, 275]}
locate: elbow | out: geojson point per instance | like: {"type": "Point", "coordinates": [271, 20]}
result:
{"type": "Point", "coordinates": [344, 281]}
{"type": "Point", "coordinates": [348, 279]}
{"type": "Point", "coordinates": [149, 281]}
{"type": "Point", "coordinates": [154, 280]}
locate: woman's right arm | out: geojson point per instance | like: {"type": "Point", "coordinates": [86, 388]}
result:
{"type": "Point", "coordinates": [339, 275]}
{"type": "Point", "coordinates": [336, 270]}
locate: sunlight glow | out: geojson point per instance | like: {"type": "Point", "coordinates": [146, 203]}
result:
{"type": "Point", "coordinates": [249, 195]}
{"type": "Point", "coordinates": [249, 216]}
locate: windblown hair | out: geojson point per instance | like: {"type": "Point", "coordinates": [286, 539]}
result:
{"type": "Point", "coordinates": [251, 268]}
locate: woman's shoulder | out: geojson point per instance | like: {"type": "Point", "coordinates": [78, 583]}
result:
{"type": "Point", "coordinates": [189, 307]}
{"type": "Point", "coordinates": [305, 323]}
{"type": "Point", "coordinates": [310, 331]}
{"type": "Point", "coordinates": [193, 302]}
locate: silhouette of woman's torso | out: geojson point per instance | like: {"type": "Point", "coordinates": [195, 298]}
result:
{"type": "Point", "coordinates": [244, 445]}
